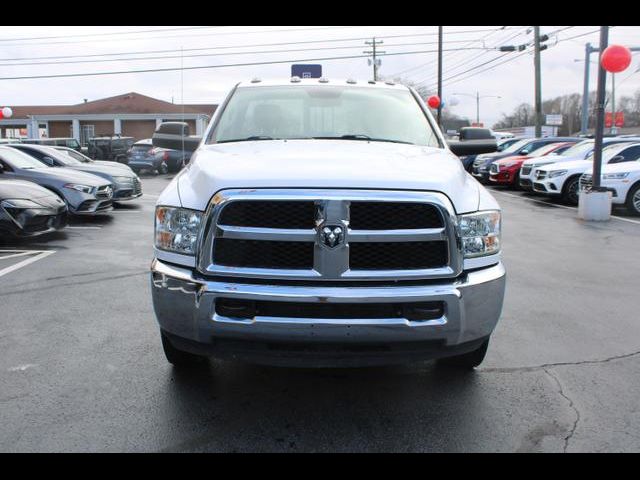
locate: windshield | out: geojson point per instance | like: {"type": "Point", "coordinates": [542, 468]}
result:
{"type": "Point", "coordinates": [77, 156]}
{"type": "Point", "coordinates": [17, 159]}
{"type": "Point", "coordinates": [579, 149]}
{"type": "Point", "coordinates": [325, 112]}
{"type": "Point", "coordinates": [64, 159]}
{"type": "Point", "coordinates": [541, 152]}
{"type": "Point", "coordinates": [516, 146]}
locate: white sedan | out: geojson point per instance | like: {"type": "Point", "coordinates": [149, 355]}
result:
{"type": "Point", "coordinates": [622, 180]}
{"type": "Point", "coordinates": [562, 178]}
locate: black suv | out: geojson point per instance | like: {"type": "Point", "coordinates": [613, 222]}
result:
{"type": "Point", "coordinates": [110, 148]}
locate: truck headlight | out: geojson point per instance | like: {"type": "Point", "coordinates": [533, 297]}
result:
{"type": "Point", "coordinates": [557, 173]}
{"type": "Point", "coordinates": [615, 176]}
{"type": "Point", "coordinates": [480, 233]}
{"type": "Point", "coordinates": [177, 229]}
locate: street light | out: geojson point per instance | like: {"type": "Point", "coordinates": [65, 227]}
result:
{"type": "Point", "coordinates": [477, 96]}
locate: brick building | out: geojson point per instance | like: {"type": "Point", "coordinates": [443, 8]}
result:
{"type": "Point", "coordinates": [131, 114]}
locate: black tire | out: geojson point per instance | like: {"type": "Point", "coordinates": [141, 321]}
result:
{"type": "Point", "coordinates": [176, 166]}
{"type": "Point", "coordinates": [466, 361]}
{"type": "Point", "coordinates": [178, 358]}
{"type": "Point", "coordinates": [163, 169]}
{"type": "Point", "coordinates": [570, 191]}
{"type": "Point", "coordinates": [633, 200]}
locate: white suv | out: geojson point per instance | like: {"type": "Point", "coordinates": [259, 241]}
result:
{"type": "Point", "coordinates": [622, 180]}
{"type": "Point", "coordinates": [562, 178]}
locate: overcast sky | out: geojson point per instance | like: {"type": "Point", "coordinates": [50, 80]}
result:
{"type": "Point", "coordinates": [512, 81]}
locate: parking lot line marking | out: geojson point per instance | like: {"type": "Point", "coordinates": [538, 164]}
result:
{"type": "Point", "coordinates": [83, 227]}
{"type": "Point", "coordinates": [560, 206]}
{"type": "Point", "coordinates": [40, 255]}
{"type": "Point", "coordinates": [14, 255]}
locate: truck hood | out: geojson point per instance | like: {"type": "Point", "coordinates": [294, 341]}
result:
{"type": "Point", "coordinates": [325, 164]}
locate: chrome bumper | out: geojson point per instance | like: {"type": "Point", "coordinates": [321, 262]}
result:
{"type": "Point", "coordinates": [185, 308]}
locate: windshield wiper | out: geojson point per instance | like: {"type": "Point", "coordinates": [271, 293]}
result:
{"type": "Point", "coordinates": [247, 139]}
{"type": "Point", "coordinates": [361, 136]}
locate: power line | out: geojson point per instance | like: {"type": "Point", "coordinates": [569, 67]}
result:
{"type": "Point", "coordinates": [200, 67]}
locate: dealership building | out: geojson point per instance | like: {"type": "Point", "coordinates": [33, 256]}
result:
{"type": "Point", "coordinates": [131, 115]}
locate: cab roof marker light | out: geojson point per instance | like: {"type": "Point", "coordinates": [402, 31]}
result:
{"type": "Point", "coordinates": [323, 80]}
{"type": "Point", "coordinates": [256, 80]}
{"type": "Point", "coordinates": [295, 79]}
{"type": "Point", "coordinates": [351, 81]}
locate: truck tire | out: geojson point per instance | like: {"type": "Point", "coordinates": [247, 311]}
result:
{"type": "Point", "coordinates": [633, 200]}
{"type": "Point", "coordinates": [466, 361]}
{"type": "Point", "coordinates": [178, 358]}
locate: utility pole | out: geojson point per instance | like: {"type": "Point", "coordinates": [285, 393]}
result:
{"type": "Point", "coordinates": [602, 85]}
{"type": "Point", "coordinates": [374, 53]}
{"type": "Point", "coordinates": [440, 75]}
{"type": "Point", "coordinates": [478, 108]}
{"type": "Point", "coordinates": [477, 96]}
{"type": "Point", "coordinates": [538, 81]}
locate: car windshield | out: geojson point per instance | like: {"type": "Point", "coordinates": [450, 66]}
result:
{"type": "Point", "coordinates": [541, 152]}
{"type": "Point", "coordinates": [579, 149]}
{"type": "Point", "coordinates": [20, 160]}
{"type": "Point", "coordinates": [516, 146]}
{"type": "Point", "coordinates": [324, 112]}
{"type": "Point", "coordinates": [64, 159]}
{"type": "Point", "coordinates": [77, 156]}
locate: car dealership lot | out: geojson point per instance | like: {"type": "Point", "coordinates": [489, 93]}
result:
{"type": "Point", "coordinates": [82, 369]}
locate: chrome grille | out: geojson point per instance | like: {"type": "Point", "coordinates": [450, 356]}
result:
{"type": "Point", "coordinates": [541, 174]}
{"type": "Point", "coordinates": [330, 235]}
{"type": "Point", "coordinates": [494, 168]}
{"type": "Point", "coordinates": [586, 182]}
{"type": "Point", "coordinates": [525, 170]}
{"type": "Point", "coordinates": [137, 186]}
{"type": "Point", "coordinates": [105, 191]}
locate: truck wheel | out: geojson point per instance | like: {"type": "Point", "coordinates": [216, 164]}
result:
{"type": "Point", "coordinates": [177, 357]}
{"type": "Point", "coordinates": [466, 361]}
{"type": "Point", "coordinates": [633, 200]}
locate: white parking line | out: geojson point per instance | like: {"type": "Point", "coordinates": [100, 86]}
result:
{"type": "Point", "coordinates": [81, 227]}
{"type": "Point", "coordinates": [14, 255]}
{"type": "Point", "coordinates": [40, 255]}
{"type": "Point", "coordinates": [556, 205]}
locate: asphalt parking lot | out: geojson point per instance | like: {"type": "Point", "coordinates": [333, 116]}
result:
{"type": "Point", "coordinates": [82, 368]}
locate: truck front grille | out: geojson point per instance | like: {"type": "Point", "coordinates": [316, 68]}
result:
{"type": "Point", "coordinates": [331, 235]}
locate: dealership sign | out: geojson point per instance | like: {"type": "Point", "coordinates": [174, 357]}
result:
{"type": "Point", "coordinates": [553, 119]}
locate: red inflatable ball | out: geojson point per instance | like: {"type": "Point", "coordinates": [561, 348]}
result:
{"type": "Point", "coordinates": [433, 101]}
{"type": "Point", "coordinates": [615, 58]}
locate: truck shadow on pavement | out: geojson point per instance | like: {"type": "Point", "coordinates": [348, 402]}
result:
{"type": "Point", "coordinates": [233, 407]}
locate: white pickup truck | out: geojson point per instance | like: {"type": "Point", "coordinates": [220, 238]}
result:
{"type": "Point", "coordinates": [327, 224]}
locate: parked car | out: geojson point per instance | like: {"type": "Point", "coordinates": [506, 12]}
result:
{"type": "Point", "coordinates": [622, 180]}
{"type": "Point", "coordinates": [81, 157]}
{"type": "Point", "coordinates": [506, 171]}
{"type": "Point", "coordinates": [321, 242]}
{"type": "Point", "coordinates": [562, 179]}
{"type": "Point", "coordinates": [27, 209]}
{"type": "Point", "coordinates": [84, 193]}
{"type": "Point", "coordinates": [144, 156]}
{"type": "Point", "coordinates": [580, 151]}
{"type": "Point", "coordinates": [503, 144]}
{"type": "Point", "coordinates": [524, 147]}
{"type": "Point", "coordinates": [54, 142]}
{"type": "Point", "coordinates": [126, 184]}
{"type": "Point", "coordinates": [112, 148]}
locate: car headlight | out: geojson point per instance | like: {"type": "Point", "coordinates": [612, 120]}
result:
{"type": "Point", "coordinates": [177, 229]}
{"type": "Point", "coordinates": [557, 173]}
{"type": "Point", "coordinates": [20, 203]}
{"type": "Point", "coordinates": [480, 233]}
{"type": "Point", "coordinates": [615, 176]}
{"type": "Point", "coordinates": [79, 187]}
{"type": "Point", "coordinates": [127, 179]}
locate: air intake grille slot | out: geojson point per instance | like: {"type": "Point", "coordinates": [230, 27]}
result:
{"type": "Point", "coordinates": [263, 254]}
{"type": "Point", "coordinates": [393, 216]}
{"type": "Point", "coordinates": [269, 214]}
{"type": "Point", "coordinates": [397, 255]}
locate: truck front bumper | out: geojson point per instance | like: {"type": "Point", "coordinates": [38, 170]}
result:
{"type": "Point", "coordinates": [185, 308]}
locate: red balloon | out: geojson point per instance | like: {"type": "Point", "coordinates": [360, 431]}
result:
{"type": "Point", "coordinates": [433, 101]}
{"type": "Point", "coordinates": [615, 58]}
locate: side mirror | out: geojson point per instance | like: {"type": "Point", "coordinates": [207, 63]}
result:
{"type": "Point", "coordinates": [49, 161]}
{"type": "Point", "coordinates": [175, 136]}
{"type": "Point", "coordinates": [617, 159]}
{"type": "Point", "coordinates": [1, 168]}
{"type": "Point", "coordinates": [473, 147]}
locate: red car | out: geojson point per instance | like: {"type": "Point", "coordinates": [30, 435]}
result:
{"type": "Point", "coordinates": [507, 170]}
